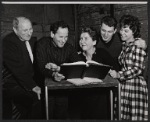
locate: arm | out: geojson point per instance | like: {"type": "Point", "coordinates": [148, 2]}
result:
{"type": "Point", "coordinates": [14, 61]}
{"type": "Point", "coordinates": [140, 43]}
{"type": "Point", "coordinates": [41, 59]}
{"type": "Point", "coordinates": [137, 64]}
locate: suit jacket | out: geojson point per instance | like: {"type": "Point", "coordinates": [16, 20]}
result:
{"type": "Point", "coordinates": [17, 65]}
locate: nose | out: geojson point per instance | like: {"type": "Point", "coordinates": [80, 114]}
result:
{"type": "Point", "coordinates": [63, 40]}
{"type": "Point", "coordinates": [106, 33]}
{"type": "Point", "coordinates": [82, 41]}
{"type": "Point", "coordinates": [121, 32]}
{"type": "Point", "coordinates": [30, 32]}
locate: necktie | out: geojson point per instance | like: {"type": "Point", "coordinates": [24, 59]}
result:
{"type": "Point", "coordinates": [29, 50]}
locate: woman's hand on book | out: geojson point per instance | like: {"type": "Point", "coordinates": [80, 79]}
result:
{"type": "Point", "coordinates": [53, 67]}
{"type": "Point", "coordinates": [114, 74]}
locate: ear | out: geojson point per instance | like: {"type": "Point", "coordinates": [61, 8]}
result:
{"type": "Point", "coordinates": [94, 42]}
{"type": "Point", "coordinates": [115, 31]}
{"type": "Point", "coordinates": [15, 30]}
{"type": "Point", "coordinates": [51, 34]}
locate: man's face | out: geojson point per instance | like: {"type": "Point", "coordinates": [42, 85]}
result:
{"type": "Point", "coordinates": [107, 32]}
{"type": "Point", "coordinates": [60, 37]}
{"type": "Point", "coordinates": [24, 30]}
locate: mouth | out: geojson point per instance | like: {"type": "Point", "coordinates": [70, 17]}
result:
{"type": "Point", "coordinates": [105, 38]}
{"type": "Point", "coordinates": [83, 45]}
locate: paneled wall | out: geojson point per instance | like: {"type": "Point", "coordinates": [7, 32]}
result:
{"type": "Point", "coordinates": [137, 10]}
{"type": "Point", "coordinates": [76, 15]}
{"type": "Point", "coordinates": [41, 16]}
{"type": "Point", "coordinates": [57, 12]}
{"type": "Point", "coordinates": [90, 15]}
{"type": "Point", "coordinates": [34, 12]}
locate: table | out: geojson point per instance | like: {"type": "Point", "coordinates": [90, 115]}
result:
{"type": "Point", "coordinates": [107, 82]}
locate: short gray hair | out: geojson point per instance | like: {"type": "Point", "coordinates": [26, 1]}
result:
{"type": "Point", "coordinates": [16, 21]}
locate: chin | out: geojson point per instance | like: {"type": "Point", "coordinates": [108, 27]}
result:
{"type": "Point", "coordinates": [61, 46]}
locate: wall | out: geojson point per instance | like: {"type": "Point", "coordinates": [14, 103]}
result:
{"type": "Point", "coordinates": [90, 15]}
{"type": "Point", "coordinates": [60, 12]}
{"type": "Point", "coordinates": [75, 15]}
{"type": "Point", "coordinates": [42, 16]}
{"type": "Point", "coordinates": [137, 10]}
{"type": "Point", "coordinates": [30, 11]}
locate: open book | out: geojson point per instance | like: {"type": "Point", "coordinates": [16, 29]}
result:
{"type": "Point", "coordinates": [80, 70]}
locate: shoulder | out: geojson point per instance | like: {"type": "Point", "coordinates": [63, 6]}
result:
{"type": "Point", "coordinates": [101, 51]}
{"type": "Point", "coordinates": [137, 49]}
{"type": "Point", "coordinates": [11, 39]}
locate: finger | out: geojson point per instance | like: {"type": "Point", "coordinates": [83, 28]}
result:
{"type": "Point", "coordinates": [39, 97]}
{"type": "Point", "coordinates": [54, 66]}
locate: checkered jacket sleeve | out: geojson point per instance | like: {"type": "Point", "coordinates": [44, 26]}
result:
{"type": "Point", "coordinates": [132, 62]}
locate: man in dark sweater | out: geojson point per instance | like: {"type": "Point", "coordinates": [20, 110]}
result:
{"type": "Point", "coordinates": [50, 54]}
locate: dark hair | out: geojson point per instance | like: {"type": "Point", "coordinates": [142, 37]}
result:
{"type": "Point", "coordinates": [110, 21]}
{"type": "Point", "coordinates": [132, 22]}
{"type": "Point", "coordinates": [93, 33]}
{"type": "Point", "coordinates": [54, 27]}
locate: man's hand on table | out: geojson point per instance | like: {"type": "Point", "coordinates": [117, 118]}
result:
{"type": "Point", "coordinates": [57, 76]}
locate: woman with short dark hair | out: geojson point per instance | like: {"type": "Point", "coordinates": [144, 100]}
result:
{"type": "Point", "coordinates": [134, 92]}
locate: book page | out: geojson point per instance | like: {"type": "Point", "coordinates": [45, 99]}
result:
{"type": "Point", "coordinates": [84, 81]}
{"type": "Point", "coordinates": [92, 80]}
{"type": "Point", "coordinates": [74, 63]}
{"type": "Point", "coordinates": [77, 81]}
{"type": "Point", "coordinates": [96, 63]}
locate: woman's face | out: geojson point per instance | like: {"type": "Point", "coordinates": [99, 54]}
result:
{"type": "Point", "coordinates": [86, 42]}
{"type": "Point", "coordinates": [126, 34]}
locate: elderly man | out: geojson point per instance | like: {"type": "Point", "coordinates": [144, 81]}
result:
{"type": "Point", "coordinates": [19, 86]}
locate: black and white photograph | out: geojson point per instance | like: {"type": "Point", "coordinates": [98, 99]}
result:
{"type": "Point", "coordinates": [74, 60]}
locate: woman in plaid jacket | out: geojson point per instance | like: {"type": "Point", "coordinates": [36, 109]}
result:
{"type": "Point", "coordinates": [134, 91]}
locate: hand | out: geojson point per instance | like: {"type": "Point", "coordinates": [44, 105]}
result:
{"type": "Point", "coordinates": [53, 67]}
{"type": "Point", "coordinates": [37, 90]}
{"type": "Point", "coordinates": [140, 43]}
{"type": "Point", "coordinates": [114, 74]}
{"type": "Point", "coordinates": [57, 76]}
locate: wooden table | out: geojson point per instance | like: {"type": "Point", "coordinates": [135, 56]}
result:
{"type": "Point", "coordinates": [107, 82]}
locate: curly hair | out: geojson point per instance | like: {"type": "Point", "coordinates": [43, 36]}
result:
{"type": "Point", "coordinates": [93, 33]}
{"type": "Point", "coordinates": [132, 22]}
{"type": "Point", "coordinates": [55, 26]}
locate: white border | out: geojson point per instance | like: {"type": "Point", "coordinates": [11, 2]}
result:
{"type": "Point", "coordinates": [72, 2]}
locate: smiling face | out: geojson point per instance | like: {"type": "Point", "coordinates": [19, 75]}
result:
{"type": "Point", "coordinates": [86, 42]}
{"type": "Point", "coordinates": [60, 37]}
{"type": "Point", "coordinates": [107, 32]}
{"type": "Point", "coordinates": [126, 34]}
{"type": "Point", "coordinates": [24, 29]}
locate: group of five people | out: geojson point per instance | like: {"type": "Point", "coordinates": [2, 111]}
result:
{"type": "Point", "coordinates": [21, 58]}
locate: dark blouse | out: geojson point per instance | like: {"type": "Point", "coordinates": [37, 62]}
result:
{"type": "Point", "coordinates": [48, 52]}
{"type": "Point", "coordinates": [101, 56]}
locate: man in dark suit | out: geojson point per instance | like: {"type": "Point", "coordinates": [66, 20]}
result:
{"type": "Point", "coordinates": [19, 88]}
